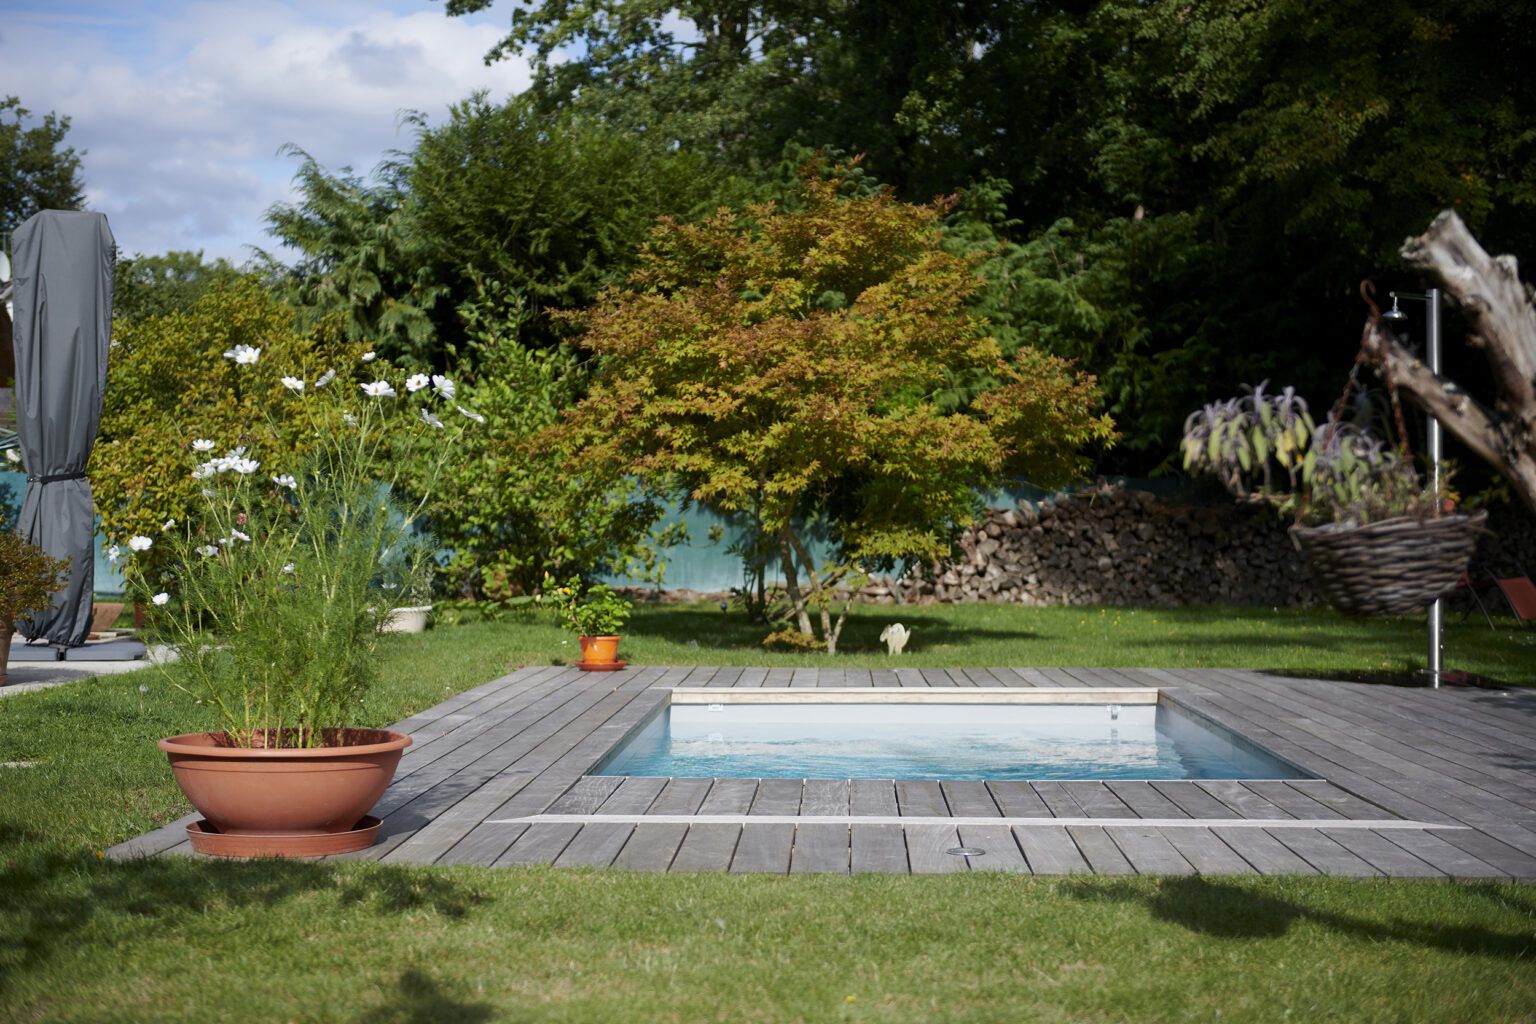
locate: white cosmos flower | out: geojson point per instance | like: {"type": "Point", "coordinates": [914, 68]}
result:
{"type": "Point", "coordinates": [161, 598]}
{"type": "Point", "coordinates": [244, 466]}
{"type": "Point", "coordinates": [208, 550]}
{"type": "Point", "coordinates": [378, 389]}
{"type": "Point", "coordinates": [140, 543]}
{"type": "Point", "coordinates": [430, 420]}
{"type": "Point", "coordinates": [416, 381]}
{"type": "Point", "coordinates": [113, 553]}
{"type": "Point", "coordinates": [285, 480]}
{"type": "Point", "coordinates": [325, 378]}
{"type": "Point", "coordinates": [369, 357]}
{"type": "Point", "coordinates": [202, 444]}
{"type": "Point", "coordinates": [442, 385]}
{"type": "Point", "coordinates": [471, 414]}
{"type": "Point", "coordinates": [243, 355]}
{"type": "Point", "coordinates": [12, 455]}
{"type": "Point", "coordinates": [235, 453]}
{"type": "Point", "coordinates": [169, 524]}
{"type": "Point", "coordinates": [237, 535]}
{"type": "Point", "coordinates": [288, 568]}
{"type": "Point", "coordinates": [293, 384]}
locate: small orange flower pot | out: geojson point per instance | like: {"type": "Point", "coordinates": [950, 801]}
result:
{"type": "Point", "coordinates": [599, 650]}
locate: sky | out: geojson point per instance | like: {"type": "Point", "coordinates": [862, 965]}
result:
{"type": "Point", "coordinates": [179, 107]}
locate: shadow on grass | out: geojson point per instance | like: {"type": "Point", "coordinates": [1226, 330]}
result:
{"type": "Point", "coordinates": [53, 896]}
{"type": "Point", "coordinates": [1228, 911]}
{"type": "Point", "coordinates": [420, 1000]}
{"type": "Point", "coordinates": [861, 635]}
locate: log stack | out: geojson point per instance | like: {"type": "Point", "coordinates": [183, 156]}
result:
{"type": "Point", "coordinates": [1115, 546]}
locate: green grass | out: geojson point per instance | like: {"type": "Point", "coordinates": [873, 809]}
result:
{"type": "Point", "coordinates": [90, 940]}
{"type": "Point", "coordinates": [1294, 641]}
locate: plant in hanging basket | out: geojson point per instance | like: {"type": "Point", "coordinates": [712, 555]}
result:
{"type": "Point", "coordinates": [274, 599]}
{"type": "Point", "coordinates": [1372, 533]}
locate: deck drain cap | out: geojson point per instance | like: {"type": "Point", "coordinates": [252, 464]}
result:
{"type": "Point", "coordinates": [966, 851]}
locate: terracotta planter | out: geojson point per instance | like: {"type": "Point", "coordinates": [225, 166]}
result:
{"type": "Point", "coordinates": [285, 792]}
{"type": "Point", "coordinates": [600, 650]}
{"type": "Point", "coordinates": [104, 615]}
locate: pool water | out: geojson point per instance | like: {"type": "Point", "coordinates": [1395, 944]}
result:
{"type": "Point", "coordinates": [939, 741]}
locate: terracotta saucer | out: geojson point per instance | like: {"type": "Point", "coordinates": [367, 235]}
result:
{"type": "Point", "coordinates": [611, 666]}
{"type": "Point", "coordinates": [206, 840]}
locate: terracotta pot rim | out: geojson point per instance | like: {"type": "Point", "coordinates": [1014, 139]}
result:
{"type": "Point", "coordinates": [603, 636]}
{"type": "Point", "coordinates": [203, 744]}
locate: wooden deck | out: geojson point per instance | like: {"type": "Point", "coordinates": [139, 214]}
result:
{"type": "Point", "coordinates": [1410, 782]}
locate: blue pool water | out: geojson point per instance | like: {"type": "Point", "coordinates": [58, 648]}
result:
{"type": "Point", "coordinates": [938, 741]}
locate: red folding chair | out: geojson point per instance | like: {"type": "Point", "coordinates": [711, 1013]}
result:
{"type": "Point", "coordinates": [1520, 594]}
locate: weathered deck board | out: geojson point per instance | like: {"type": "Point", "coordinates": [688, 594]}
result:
{"type": "Point", "coordinates": [523, 744]}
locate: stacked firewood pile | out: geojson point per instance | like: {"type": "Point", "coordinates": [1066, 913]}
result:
{"type": "Point", "coordinates": [1110, 545]}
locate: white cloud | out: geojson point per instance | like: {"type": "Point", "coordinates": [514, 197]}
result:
{"type": "Point", "coordinates": [181, 109]}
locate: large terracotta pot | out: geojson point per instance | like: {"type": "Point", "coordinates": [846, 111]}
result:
{"type": "Point", "coordinates": [104, 615]}
{"type": "Point", "coordinates": [285, 792]}
{"type": "Point", "coordinates": [600, 650]}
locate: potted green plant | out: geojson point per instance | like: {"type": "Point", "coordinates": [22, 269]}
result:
{"type": "Point", "coordinates": [596, 614]}
{"type": "Point", "coordinates": [1376, 538]}
{"type": "Point", "coordinates": [273, 600]}
{"type": "Point", "coordinates": [413, 614]}
{"type": "Point", "coordinates": [28, 579]}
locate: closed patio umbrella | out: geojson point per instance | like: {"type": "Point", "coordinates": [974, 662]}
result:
{"type": "Point", "coordinates": [62, 322]}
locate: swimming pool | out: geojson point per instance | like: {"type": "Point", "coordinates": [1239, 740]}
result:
{"type": "Point", "coordinates": [1153, 741]}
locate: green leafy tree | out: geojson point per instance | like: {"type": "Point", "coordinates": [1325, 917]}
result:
{"type": "Point", "coordinates": [37, 172]}
{"type": "Point", "coordinates": [804, 367]}
{"type": "Point", "coordinates": [512, 510]}
{"type": "Point", "coordinates": [159, 284]}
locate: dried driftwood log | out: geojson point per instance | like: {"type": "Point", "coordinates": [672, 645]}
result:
{"type": "Point", "coordinates": [1503, 317]}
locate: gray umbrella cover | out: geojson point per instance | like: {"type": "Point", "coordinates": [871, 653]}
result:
{"type": "Point", "coordinates": [63, 264]}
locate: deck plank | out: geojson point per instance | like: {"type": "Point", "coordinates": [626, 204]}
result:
{"type": "Point", "coordinates": [1100, 851]}
{"type": "Point", "coordinates": [876, 797]}
{"type": "Point", "coordinates": [1001, 849]}
{"type": "Point", "coordinates": [1144, 801]}
{"type": "Point", "coordinates": [1260, 849]}
{"type": "Point", "coordinates": [681, 796]}
{"type": "Point", "coordinates": [927, 846]}
{"type": "Point", "coordinates": [969, 799]}
{"type": "Point", "coordinates": [651, 846]}
{"type": "Point", "coordinates": [1149, 851]}
{"type": "Point", "coordinates": [1050, 850]}
{"type": "Point", "coordinates": [1018, 799]}
{"type": "Point", "coordinates": [820, 849]}
{"type": "Point", "coordinates": [707, 847]}
{"type": "Point", "coordinates": [1206, 853]}
{"type": "Point", "coordinates": [1322, 853]}
{"type": "Point", "coordinates": [878, 848]}
{"type": "Point", "coordinates": [634, 796]}
{"type": "Point", "coordinates": [763, 849]}
{"type": "Point", "coordinates": [918, 798]}
{"type": "Point", "coordinates": [777, 796]}
{"type": "Point", "coordinates": [825, 796]}
{"type": "Point", "coordinates": [595, 846]}
{"type": "Point", "coordinates": [539, 844]}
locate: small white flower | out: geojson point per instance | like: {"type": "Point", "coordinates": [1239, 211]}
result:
{"type": "Point", "coordinates": [416, 381]}
{"type": "Point", "coordinates": [243, 355]}
{"type": "Point", "coordinates": [237, 535]}
{"type": "Point", "coordinates": [202, 444]}
{"type": "Point", "coordinates": [285, 480]}
{"type": "Point", "coordinates": [169, 524]}
{"type": "Point", "coordinates": [325, 378]}
{"type": "Point", "coordinates": [378, 389]}
{"type": "Point", "coordinates": [161, 598]}
{"type": "Point", "coordinates": [235, 453]}
{"type": "Point", "coordinates": [12, 455]}
{"type": "Point", "coordinates": [203, 472]}
{"type": "Point", "coordinates": [140, 543]}
{"type": "Point", "coordinates": [244, 466]}
{"type": "Point", "coordinates": [288, 568]}
{"type": "Point", "coordinates": [293, 384]}
{"type": "Point", "coordinates": [369, 357]}
{"type": "Point", "coordinates": [471, 414]}
{"type": "Point", "coordinates": [349, 419]}
{"type": "Point", "coordinates": [208, 550]}
{"type": "Point", "coordinates": [114, 553]}
{"type": "Point", "coordinates": [430, 420]}
{"type": "Point", "coordinates": [442, 385]}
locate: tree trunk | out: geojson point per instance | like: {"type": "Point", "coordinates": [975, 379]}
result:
{"type": "Point", "coordinates": [792, 584]}
{"type": "Point", "coordinates": [1504, 327]}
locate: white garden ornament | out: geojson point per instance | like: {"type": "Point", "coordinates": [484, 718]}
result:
{"type": "Point", "coordinates": [895, 637]}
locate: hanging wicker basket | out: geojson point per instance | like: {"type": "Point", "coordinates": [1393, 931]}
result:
{"type": "Point", "coordinates": [1392, 567]}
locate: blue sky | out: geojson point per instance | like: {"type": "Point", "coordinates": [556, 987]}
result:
{"type": "Point", "coordinates": [180, 106]}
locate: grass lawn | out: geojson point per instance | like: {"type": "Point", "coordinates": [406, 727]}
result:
{"type": "Point", "coordinates": [89, 940]}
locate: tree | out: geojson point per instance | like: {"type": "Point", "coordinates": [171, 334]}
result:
{"type": "Point", "coordinates": [499, 206]}
{"type": "Point", "coordinates": [35, 172]}
{"type": "Point", "coordinates": [817, 368]}
{"type": "Point", "coordinates": [157, 285]}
